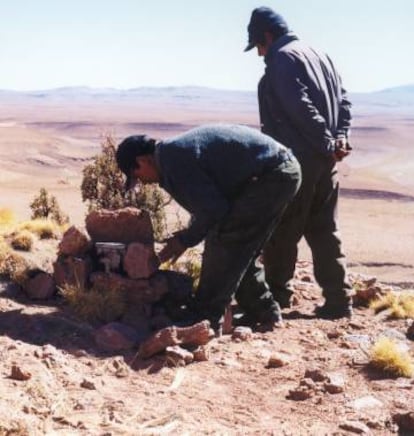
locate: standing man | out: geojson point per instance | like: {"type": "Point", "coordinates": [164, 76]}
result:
{"type": "Point", "coordinates": [236, 183]}
{"type": "Point", "coordinates": [303, 105]}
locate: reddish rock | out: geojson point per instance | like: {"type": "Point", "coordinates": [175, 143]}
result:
{"type": "Point", "coordinates": [177, 356]}
{"type": "Point", "coordinates": [123, 225]}
{"type": "Point", "coordinates": [72, 271]}
{"type": "Point", "coordinates": [19, 374]}
{"type": "Point", "coordinates": [137, 291]}
{"type": "Point", "coordinates": [74, 242]}
{"type": "Point", "coordinates": [40, 286]}
{"type": "Point", "coordinates": [116, 336]}
{"type": "Point", "coordinates": [201, 353]}
{"type": "Point", "coordinates": [316, 374]}
{"type": "Point", "coordinates": [242, 333]}
{"type": "Point", "coordinates": [140, 261]}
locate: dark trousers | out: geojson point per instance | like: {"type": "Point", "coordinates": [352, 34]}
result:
{"type": "Point", "coordinates": [312, 214]}
{"type": "Point", "coordinates": [228, 264]}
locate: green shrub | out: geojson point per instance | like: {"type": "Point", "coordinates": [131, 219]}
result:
{"type": "Point", "coordinates": [47, 206]}
{"type": "Point", "coordinates": [103, 188]}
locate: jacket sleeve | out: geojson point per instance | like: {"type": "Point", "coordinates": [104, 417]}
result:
{"type": "Point", "coordinates": [194, 190]}
{"type": "Point", "coordinates": [292, 93]}
{"type": "Point", "coordinates": [344, 117]}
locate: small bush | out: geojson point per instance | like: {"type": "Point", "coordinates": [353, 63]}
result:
{"type": "Point", "coordinates": [43, 228]}
{"type": "Point", "coordinates": [46, 206]}
{"type": "Point", "coordinates": [22, 240]}
{"type": "Point", "coordinates": [103, 188]}
{"type": "Point", "coordinates": [386, 357]}
{"type": "Point", "coordinates": [93, 304]}
{"type": "Point", "coordinates": [400, 305]}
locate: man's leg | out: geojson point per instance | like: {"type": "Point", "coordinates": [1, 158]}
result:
{"type": "Point", "coordinates": [322, 235]}
{"type": "Point", "coordinates": [280, 252]}
{"type": "Point", "coordinates": [233, 245]}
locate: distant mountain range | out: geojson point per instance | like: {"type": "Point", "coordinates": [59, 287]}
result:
{"type": "Point", "coordinates": [398, 99]}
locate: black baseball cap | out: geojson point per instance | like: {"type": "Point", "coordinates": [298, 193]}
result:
{"type": "Point", "coordinates": [263, 20]}
{"type": "Point", "coordinates": [127, 152]}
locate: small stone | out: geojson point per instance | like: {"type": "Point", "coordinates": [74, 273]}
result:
{"type": "Point", "coordinates": [334, 334]}
{"type": "Point", "coordinates": [87, 384]}
{"type": "Point", "coordinates": [355, 427]}
{"type": "Point", "coordinates": [277, 360]}
{"type": "Point", "coordinates": [336, 383]}
{"type": "Point", "coordinates": [242, 333]}
{"type": "Point", "coordinates": [405, 421]}
{"type": "Point", "coordinates": [201, 354]}
{"type": "Point", "coordinates": [19, 374]}
{"type": "Point", "coordinates": [316, 374]}
{"type": "Point", "coordinates": [308, 383]}
{"type": "Point", "coordinates": [300, 394]}
{"type": "Point", "coordinates": [366, 402]}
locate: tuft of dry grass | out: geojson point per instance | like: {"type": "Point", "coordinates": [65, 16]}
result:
{"type": "Point", "coordinates": [22, 240]}
{"type": "Point", "coordinates": [386, 357]}
{"type": "Point", "coordinates": [6, 217]}
{"type": "Point", "coordinates": [43, 228]}
{"type": "Point", "coordinates": [93, 304]}
{"type": "Point", "coordinates": [13, 265]}
{"type": "Point", "coordinates": [400, 305]}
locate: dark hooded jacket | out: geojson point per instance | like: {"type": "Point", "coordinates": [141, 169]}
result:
{"type": "Point", "coordinates": [301, 100]}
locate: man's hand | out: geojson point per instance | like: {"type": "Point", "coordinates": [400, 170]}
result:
{"type": "Point", "coordinates": [172, 250]}
{"type": "Point", "coordinates": [342, 149]}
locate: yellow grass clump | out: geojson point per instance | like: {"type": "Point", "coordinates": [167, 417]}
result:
{"type": "Point", "coordinates": [400, 305]}
{"type": "Point", "coordinates": [43, 228]}
{"type": "Point", "coordinates": [93, 304]}
{"type": "Point", "coordinates": [386, 357]}
{"type": "Point", "coordinates": [22, 240]}
{"type": "Point", "coordinates": [6, 217]}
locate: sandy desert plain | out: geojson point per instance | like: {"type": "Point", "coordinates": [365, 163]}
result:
{"type": "Point", "coordinates": [323, 385]}
{"type": "Point", "coordinates": [46, 138]}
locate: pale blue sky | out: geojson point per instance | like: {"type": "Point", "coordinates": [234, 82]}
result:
{"type": "Point", "coordinates": [132, 43]}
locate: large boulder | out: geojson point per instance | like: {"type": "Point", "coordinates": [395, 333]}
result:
{"type": "Point", "coordinates": [39, 286]}
{"type": "Point", "coordinates": [140, 261]}
{"type": "Point", "coordinates": [74, 242]}
{"type": "Point", "coordinates": [123, 225]}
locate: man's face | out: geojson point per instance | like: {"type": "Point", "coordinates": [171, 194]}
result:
{"type": "Point", "coordinates": [261, 49]}
{"type": "Point", "coordinates": [145, 170]}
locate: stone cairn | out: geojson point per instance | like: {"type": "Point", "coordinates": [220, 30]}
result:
{"type": "Point", "coordinates": [117, 253]}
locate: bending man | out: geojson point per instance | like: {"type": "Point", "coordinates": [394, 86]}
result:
{"type": "Point", "coordinates": [236, 184]}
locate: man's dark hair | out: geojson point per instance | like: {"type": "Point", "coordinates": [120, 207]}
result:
{"type": "Point", "coordinates": [127, 152]}
{"type": "Point", "coordinates": [130, 148]}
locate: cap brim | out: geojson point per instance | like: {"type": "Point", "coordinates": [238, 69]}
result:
{"type": "Point", "coordinates": [250, 45]}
